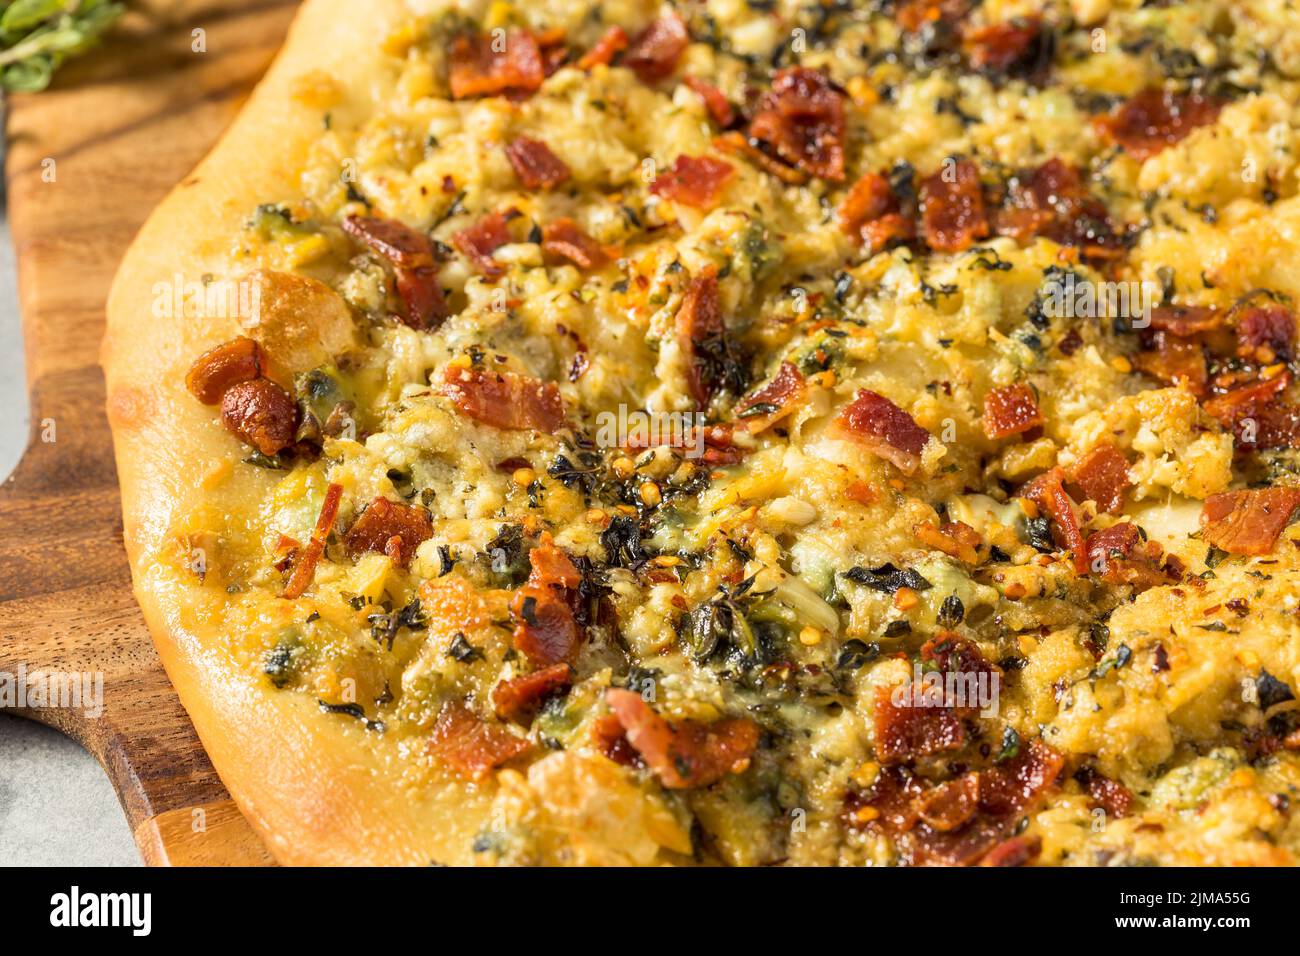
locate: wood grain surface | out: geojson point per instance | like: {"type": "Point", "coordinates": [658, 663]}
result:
{"type": "Point", "coordinates": [88, 160]}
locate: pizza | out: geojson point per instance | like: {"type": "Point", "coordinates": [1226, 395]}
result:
{"type": "Point", "coordinates": [735, 433]}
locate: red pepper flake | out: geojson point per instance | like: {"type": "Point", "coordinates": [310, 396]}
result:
{"type": "Point", "coordinates": [693, 181]}
{"type": "Point", "coordinates": [611, 44]}
{"type": "Point", "coordinates": [1248, 522]}
{"type": "Point", "coordinates": [802, 120]}
{"type": "Point", "coordinates": [1011, 410]}
{"type": "Point", "coordinates": [884, 429]}
{"type": "Point", "coordinates": [305, 568]}
{"type": "Point", "coordinates": [565, 239]}
{"type": "Point", "coordinates": [534, 163]}
{"type": "Point", "coordinates": [654, 52]}
{"type": "Point", "coordinates": [687, 754]}
{"type": "Point", "coordinates": [480, 240]}
{"type": "Point", "coordinates": [1154, 119]}
{"type": "Point", "coordinates": [496, 64]}
{"type": "Point", "coordinates": [952, 207]}
{"type": "Point", "coordinates": [715, 101]}
{"type": "Point", "coordinates": [504, 399]}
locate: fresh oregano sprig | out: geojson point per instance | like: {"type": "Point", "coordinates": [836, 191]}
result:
{"type": "Point", "coordinates": [36, 36]}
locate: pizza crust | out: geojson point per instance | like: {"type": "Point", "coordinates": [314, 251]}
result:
{"type": "Point", "coordinates": [311, 786]}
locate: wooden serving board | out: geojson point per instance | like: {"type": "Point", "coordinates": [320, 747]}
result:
{"type": "Point", "coordinates": [88, 160]}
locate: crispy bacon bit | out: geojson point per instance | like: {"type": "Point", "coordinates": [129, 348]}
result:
{"type": "Point", "coordinates": [480, 240]}
{"type": "Point", "coordinates": [389, 527]}
{"type": "Point", "coordinates": [260, 413]}
{"type": "Point", "coordinates": [470, 746]}
{"type": "Point", "coordinates": [802, 120]}
{"type": "Point", "coordinates": [520, 698]}
{"type": "Point", "coordinates": [1248, 522]}
{"type": "Point", "coordinates": [305, 566]}
{"type": "Point", "coordinates": [1013, 46]}
{"type": "Point", "coordinates": [611, 44]}
{"type": "Point", "coordinates": [1011, 410]}
{"type": "Point", "coordinates": [952, 207]}
{"type": "Point", "coordinates": [415, 266]}
{"type": "Point", "coordinates": [954, 538]}
{"type": "Point", "coordinates": [654, 52]}
{"type": "Point", "coordinates": [565, 239]}
{"type": "Point", "coordinates": [1118, 555]}
{"type": "Point", "coordinates": [609, 737]}
{"type": "Point", "coordinates": [912, 15]}
{"type": "Point", "coordinates": [688, 754]}
{"type": "Point", "coordinates": [546, 630]}
{"type": "Point", "coordinates": [534, 163]}
{"type": "Point", "coordinates": [694, 181]}
{"type": "Point", "coordinates": [1174, 361]}
{"type": "Point", "coordinates": [1111, 795]}
{"type": "Point", "coordinates": [715, 101]}
{"type": "Point", "coordinates": [504, 399]}
{"type": "Point", "coordinates": [699, 322]}
{"type": "Point", "coordinates": [553, 48]}
{"type": "Point", "coordinates": [490, 64]}
{"type": "Point", "coordinates": [1048, 492]}
{"type": "Point", "coordinates": [1015, 851]}
{"type": "Point", "coordinates": [870, 212]}
{"type": "Point", "coordinates": [240, 360]}
{"type": "Point", "coordinates": [1052, 201]}
{"type": "Point", "coordinates": [1265, 334]}
{"type": "Point", "coordinates": [951, 804]}
{"type": "Point", "coordinates": [1102, 475]}
{"type": "Point", "coordinates": [883, 429]}
{"type": "Point", "coordinates": [1256, 416]}
{"type": "Point", "coordinates": [912, 729]}
{"type": "Point", "coordinates": [737, 144]}
{"type": "Point", "coordinates": [776, 400]}
{"type": "Point", "coordinates": [1154, 119]}
{"type": "Point", "coordinates": [1186, 321]}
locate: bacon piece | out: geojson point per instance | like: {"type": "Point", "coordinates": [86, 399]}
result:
{"type": "Point", "coordinates": [715, 102]}
{"type": "Point", "coordinates": [488, 64]}
{"type": "Point", "coordinates": [553, 48]}
{"type": "Point", "coordinates": [1174, 361]}
{"type": "Point", "coordinates": [239, 360]}
{"type": "Point", "coordinates": [534, 163]}
{"type": "Point", "coordinates": [565, 239]}
{"type": "Point", "coordinates": [1015, 851]}
{"type": "Point", "coordinates": [1111, 555]}
{"type": "Point", "coordinates": [1265, 334]}
{"type": "Point", "coordinates": [870, 212]}
{"type": "Point", "coordinates": [735, 143]}
{"type": "Point", "coordinates": [304, 568]}
{"type": "Point", "coordinates": [694, 181]}
{"type": "Point", "coordinates": [1113, 797]}
{"type": "Point", "coordinates": [1186, 321]}
{"type": "Point", "coordinates": [1256, 417]}
{"type": "Point", "coordinates": [1048, 492]}
{"type": "Point", "coordinates": [260, 413]}
{"type": "Point", "coordinates": [1008, 788]}
{"type": "Point", "coordinates": [951, 804]}
{"type": "Point", "coordinates": [954, 538]}
{"type": "Point", "coordinates": [415, 266]}
{"type": "Point", "coordinates": [912, 729]}
{"type": "Point", "coordinates": [389, 527]}
{"type": "Point", "coordinates": [912, 15]}
{"type": "Point", "coordinates": [776, 400]}
{"type": "Point", "coordinates": [470, 746]}
{"type": "Point", "coordinates": [1248, 522]}
{"type": "Point", "coordinates": [480, 240]}
{"type": "Point", "coordinates": [802, 119]}
{"type": "Point", "coordinates": [546, 630]}
{"type": "Point", "coordinates": [520, 698]}
{"type": "Point", "coordinates": [688, 754]}
{"type": "Point", "coordinates": [611, 44]}
{"type": "Point", "coordinates": [1052, 201]}
{"type": "Point", "coordinates": [699, 324]}
{"type": "Point", "coordinates": [952, 207]}
{"type": "Point", "coordinates": [1012, 46]}
{"type": "Point", "coordinates": [1102, 475]}
{"type": "Point", "coordinates": [654, 52]}
{"type": "Point", "coordinates": [1154, 119]}
{"type": "Point", "coordinates": [1011, 410]}
{"type": "Point", "coordinates": [504, 399]}
{"type": "Point", "coordinates": [609, 737]}
{"type": "Point", "coordinates": [883, 429]}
